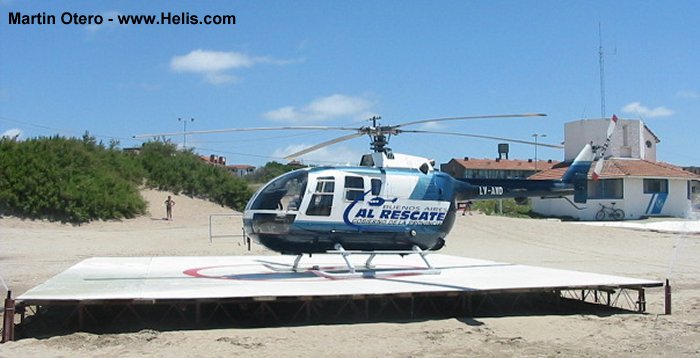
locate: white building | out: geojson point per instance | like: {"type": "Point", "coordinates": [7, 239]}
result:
{"type": "Point", "coordinates": [631, 139]}
{"type": "Point", "coordinates": [631, 178]}
{"type": "Point", "coordinates": [240, 169]}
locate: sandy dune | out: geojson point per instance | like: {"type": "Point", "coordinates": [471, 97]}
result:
{"type": "Point", "coordinates": [33, 251]}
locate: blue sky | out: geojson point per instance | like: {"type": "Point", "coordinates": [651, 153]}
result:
{"type": "Point", "coordinates": [337, 63]}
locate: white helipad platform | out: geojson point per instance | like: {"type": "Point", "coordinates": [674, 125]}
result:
{"type": "Point", "coordinates": [187, 278]}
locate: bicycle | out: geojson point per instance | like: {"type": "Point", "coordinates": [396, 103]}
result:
{"type": "Point", "coordinates": [609, 213]}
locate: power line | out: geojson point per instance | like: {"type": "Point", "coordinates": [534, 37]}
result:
{"type": "Point", "coordinates": [75, 132]}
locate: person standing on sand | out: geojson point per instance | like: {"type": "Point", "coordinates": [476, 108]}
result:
{"type": "Point", "coordinates": [169, 203]}
{"type": "Point", "coordinates": [467, 208]}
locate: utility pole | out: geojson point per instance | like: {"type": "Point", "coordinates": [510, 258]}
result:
{"type": "Point", "coordinates": [184, 131]}
{"type": "Point", "coordinates": [537, 135]}
{"type": "Point", "coordinates": [601, 63]}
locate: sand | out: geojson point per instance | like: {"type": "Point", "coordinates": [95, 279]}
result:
{"type": "Point", "coordinates": [33, 251]}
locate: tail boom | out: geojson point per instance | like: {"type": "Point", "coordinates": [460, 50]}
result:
{"type": "Point", "coordinates": [574, 181]}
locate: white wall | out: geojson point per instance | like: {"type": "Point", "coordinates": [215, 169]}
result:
{"type": "Point", "coordinates": [650, 152]}
{"type": "Point", "coordinates": [631, 140]}
{"type": "Point", "coordinates": [579, 133]}
{"type": "Point", "coordinates": [635, 202]}
{"type": "Point", "coordinates": [628, 140]}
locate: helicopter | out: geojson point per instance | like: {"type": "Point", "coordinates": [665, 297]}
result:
{"type": "Point", "coordinates": [391, 203]}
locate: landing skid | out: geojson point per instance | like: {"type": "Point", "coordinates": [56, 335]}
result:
{"type": "Point", "coordinates": [369, 270]}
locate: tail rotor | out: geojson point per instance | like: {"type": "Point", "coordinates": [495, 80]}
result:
{"type": "Point", "coordinates": [598, 169]}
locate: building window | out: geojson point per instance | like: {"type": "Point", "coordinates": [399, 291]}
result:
{"type": "Point", "coordinates": [653, 186]}
{"type": "Point", "coordinates": [693, 189]}
{"type": "Point", "coordinates": [322, 200]}
{"type": "Point", "coordinates": [690, 191]}
{"type": "Point", "coordinates": [354, 188]}
{"type": "Point", "coordinates": [605, 189]}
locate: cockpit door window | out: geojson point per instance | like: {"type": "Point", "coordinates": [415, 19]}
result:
{"type": "Point", "coordinates": [321, 201]}
{"type": "Point", "coordinates": [282, 193]}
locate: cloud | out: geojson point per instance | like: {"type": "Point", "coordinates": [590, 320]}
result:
{"type": "Point", "coordinates": [336, 154]}
{"type": "Point", "coordinates": [210, 61]}
{"type": "Point", "coordinates": [213, 64]}
{"type": "Point", "coordinates": [333, 106]}
{"type": "Point", "coordinates": [687, 94]}
{"type": "Point", "coordinates": [637, 108]}
{"type": "Point", "coordinates": [13, 133]}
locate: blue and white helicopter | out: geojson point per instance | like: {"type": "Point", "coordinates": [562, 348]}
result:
{"type": "Point", "coordinates": [390, 204]}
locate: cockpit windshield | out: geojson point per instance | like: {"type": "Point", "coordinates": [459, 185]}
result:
{"type": "Point", "coordinates": [284, 193]}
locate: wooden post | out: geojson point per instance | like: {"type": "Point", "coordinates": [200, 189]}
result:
{"type": "Point", "coordinates": [667, 297]}
{"type": "Point", "coordinates": [8, 321]}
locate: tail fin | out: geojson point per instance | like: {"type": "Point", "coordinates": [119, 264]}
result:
{"type": "Point", "coordinates": [580, 165]}
{"type": "Point", "coordinates": [577, 174]}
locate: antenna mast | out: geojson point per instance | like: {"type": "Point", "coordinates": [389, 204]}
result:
{"type": "Point", "coordinates": [601, 63]}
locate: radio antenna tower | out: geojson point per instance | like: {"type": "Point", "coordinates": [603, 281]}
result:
{"type": "Point", "coordinates": [601, 63]}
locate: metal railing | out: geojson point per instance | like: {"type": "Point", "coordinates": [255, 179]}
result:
{"type": "Point", "coordinates": [211, 224]}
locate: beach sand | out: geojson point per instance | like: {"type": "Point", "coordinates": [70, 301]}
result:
{"type": "Point", "coordinates": [33, 251]}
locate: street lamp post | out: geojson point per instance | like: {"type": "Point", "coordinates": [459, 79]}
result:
{"type": "Point", "coordinates": [537, 135]}
{"type": "Point", "coordinates": [184, 131]}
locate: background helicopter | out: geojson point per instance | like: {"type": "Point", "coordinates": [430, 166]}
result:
{"type": "Point", "coordinates": [390, 203]}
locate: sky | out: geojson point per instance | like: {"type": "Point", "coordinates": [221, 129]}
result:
{"type": "Point", "coordinates": [334, 63]}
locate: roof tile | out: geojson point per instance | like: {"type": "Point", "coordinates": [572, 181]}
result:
{"type": "Point", "coordinates": [504, 164]}
{"type": "Point", "coordinates": [617, 167]}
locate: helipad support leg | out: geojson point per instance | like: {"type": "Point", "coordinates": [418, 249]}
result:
{"type": "Point", "coordinates": [81, 317]}
{"type": "Point", "coordinates": [642, 301]}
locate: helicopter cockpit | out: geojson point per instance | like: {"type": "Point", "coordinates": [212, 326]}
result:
{"type": "Point", "coordinates": [282, 194]}
{"type": "Point", "coordinates": [275, 206]}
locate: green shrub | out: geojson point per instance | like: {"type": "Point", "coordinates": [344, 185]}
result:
{"type": "Point", "coordinates": [78, 180]}
{"type": "Point", "coordinates": [67, 179]}
{"type": "Point", "coordinates": [184, 172]}
{"type": "Point", "coordinates": [270, 171]}
{"type": "Point", "coordinates": [510, 208]}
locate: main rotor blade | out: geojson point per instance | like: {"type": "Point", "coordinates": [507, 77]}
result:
{"type": "Point", "coordinates": [486, 137]}
{"type": "Point", "coordinates": [470, 117]}
{"type": "Point", "coordinates": [324, 144]}
{"type": "Point", "coordinates": [172, 134]}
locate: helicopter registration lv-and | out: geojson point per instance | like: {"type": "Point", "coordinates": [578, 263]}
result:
{"type": "Point", "coordinates": [390, 204]}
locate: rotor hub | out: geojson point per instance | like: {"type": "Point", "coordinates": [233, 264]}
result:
{"type": "Point", "coordinates": [380, 135]}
